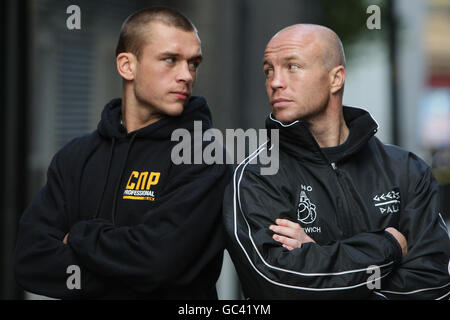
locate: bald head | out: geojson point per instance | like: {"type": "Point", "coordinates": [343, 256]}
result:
{"type": "Point", "coordinates": [324, 41]}
{"type": "Point", "coordinates": [304, 66]}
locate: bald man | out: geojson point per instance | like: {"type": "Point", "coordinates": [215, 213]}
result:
{"type": "Point", "coordinates": [345, 216]}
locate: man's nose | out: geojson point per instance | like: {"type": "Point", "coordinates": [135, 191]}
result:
{"type": "Point", "coordinates": [277, 81]}
{"type": "Point", "coordinates": [184, 73]}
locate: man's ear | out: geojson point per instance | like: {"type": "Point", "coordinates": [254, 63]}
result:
{"type": "Point", "coordinates": [126, 65]}
{"type": "Point", "coordinates": [337, 79]}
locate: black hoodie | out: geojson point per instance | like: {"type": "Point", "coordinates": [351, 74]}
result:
{"type": "Point", "coordinates": [343, 197]}
{"type": "Point", "coordinates": [139, 226]}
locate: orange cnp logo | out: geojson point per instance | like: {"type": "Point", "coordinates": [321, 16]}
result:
{"type": "Point", "coordinates": [139, 184]}
{"type": "Point", "coordinates": [142, 181]}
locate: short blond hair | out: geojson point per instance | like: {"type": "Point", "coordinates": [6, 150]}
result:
{"type": "Point", "coordinates": [132, 35]}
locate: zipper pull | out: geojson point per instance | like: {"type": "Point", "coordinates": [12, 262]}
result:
{"type": "Point", "coordinates": [333, 165]}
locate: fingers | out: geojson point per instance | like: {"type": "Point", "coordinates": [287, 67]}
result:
{"type": "Point", "coordinates": [288, 243]}
{"type": "Point", "coordinates": [287, 247]}
{"type": "Point", "coordinates": [288, 228]}
{"type": "Point", "coordinates": [285, 231]}
{"type": "Point", "coordinates": [287, 223]}
{"type": "Point", "coordinates": [290, 234]}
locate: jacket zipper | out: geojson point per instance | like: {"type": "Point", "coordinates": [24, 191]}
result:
{"type": "Point", "coordinates": [342, 203]}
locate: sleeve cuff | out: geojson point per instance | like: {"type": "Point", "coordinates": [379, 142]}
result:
{"type": "Point", "coordinates": [396, 246]}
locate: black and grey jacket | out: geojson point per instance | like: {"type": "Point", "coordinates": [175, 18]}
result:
{"type": "Point", "coordinates": [343, 197]}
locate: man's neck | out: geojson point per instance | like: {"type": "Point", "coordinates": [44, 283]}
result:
{"type": "Point", "coordinates": [329, 128]}
{"type": "Point", "coordinates": [135, 116]}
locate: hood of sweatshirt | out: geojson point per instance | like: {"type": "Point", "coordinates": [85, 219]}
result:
{"type": "Point", "coordinates": [196, 109]}
{"type": "Point", "coordinates": [134, 214]}
{"type": "Point", "coordinates": [111, 128]}
{"type": "Point", "coordinates": [297, 140]}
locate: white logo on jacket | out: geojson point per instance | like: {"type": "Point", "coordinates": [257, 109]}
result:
{"type": "Point", "coordinates": [306, 210]}
{"type": "Point", "coordinates": [388, 202]}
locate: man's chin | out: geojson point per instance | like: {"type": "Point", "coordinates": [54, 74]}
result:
{"type": "Point", "coordinates": [284, 116]}
{"type": "Point", "coordinates": [173, 110]}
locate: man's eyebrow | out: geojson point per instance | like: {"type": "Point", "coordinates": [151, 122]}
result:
{"type": "Point", "coordinates": [170, 54]}
{"type": "Point", "coordinates": [265, 61]}
{"type": "Point", "coordinates": [292, 57]}
{"type": "Point", "coordinates": [198, 58]}
{"type": "Point", "coordinates": [287, 58]}
{"type": "Point", "coordinates": [178, 55]}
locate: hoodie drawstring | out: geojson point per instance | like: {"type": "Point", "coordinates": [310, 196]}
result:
{"type": "Point", "coordinates": [108, 168]}
{"type": "Point", "coordinates": [113, 215]}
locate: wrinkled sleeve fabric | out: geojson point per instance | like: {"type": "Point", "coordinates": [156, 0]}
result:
{"type": "Point", "coordinates": [424, 271]}
{"type": "Point", "coordinates": [176, 242]}
{"type": "Point", "coordinates": [342, 269]}
{"type": "Point", "coordinates": [43, 264]}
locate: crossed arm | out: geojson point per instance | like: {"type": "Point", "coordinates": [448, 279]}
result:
{"type": "Point", "coordinates": [291, 235]}
{"type": "Point", "coordinates": [414, 261]}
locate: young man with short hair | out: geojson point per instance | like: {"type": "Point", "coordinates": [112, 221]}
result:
{"type": "Point", "coordinates": [115, 206]}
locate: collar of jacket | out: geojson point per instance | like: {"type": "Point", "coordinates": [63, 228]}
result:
{"type": "Point", "coordinates": [297, 140]}
{"type": "Point", "coordinates": [196, 109]}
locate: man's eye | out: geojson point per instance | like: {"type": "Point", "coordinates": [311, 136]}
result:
{"type": "Point", "coordinates": [193, 65]}
{"type": "Point", "coordinates": [169, 60]}
{"type": "Point", "coordinates": [268, 71]}
{"type": "Point", "coordinates": [294, 67]}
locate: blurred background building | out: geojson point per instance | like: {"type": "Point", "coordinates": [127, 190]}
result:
{"type": "Point", "coordinates": [55, 81]}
